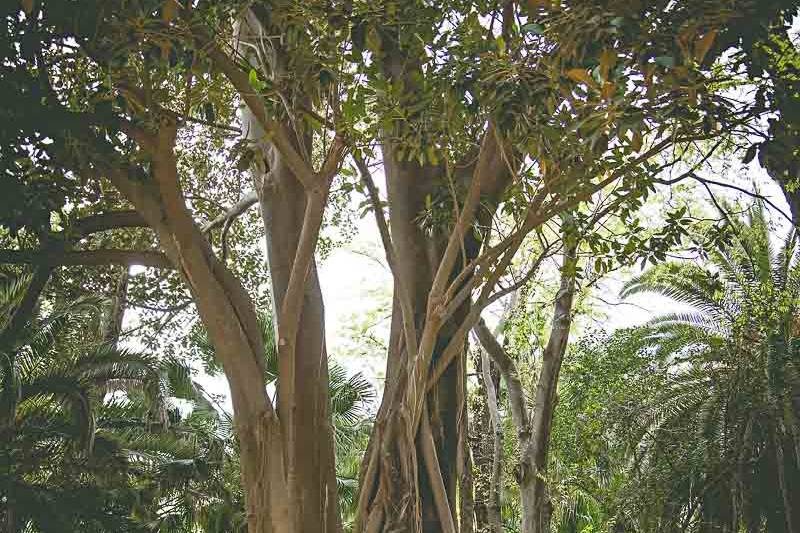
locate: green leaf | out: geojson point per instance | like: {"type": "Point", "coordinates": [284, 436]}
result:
{"type": "Point", "coordinates": [501, 45]}
{"type": "Point", "coordinates": [430, 153]}
{"type": "Point", "coordinates": [255, 83]}
{"type": "Point", "coordinates": [665, 61]}
{"type": "Point", "coordinates": [536, 29]}
{"type": "Point", "coordinates": [750, 154]}
{"type": "Point", "coordinates": [617, 21]}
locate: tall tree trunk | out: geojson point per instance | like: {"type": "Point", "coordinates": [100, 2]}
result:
{"type": "Point", "coordinates": [397, 492]}
{"type": "Point", "coordinates": [317, 505]}
{"type": "Point", "coordinates": [303, 397]}
{"type": "Point", "coordinates": [534, 463]}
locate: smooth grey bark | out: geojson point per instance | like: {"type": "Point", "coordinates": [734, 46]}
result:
{"type": "Point", "coordinates": [517, 403]}
{"type": "Point", "coordinates": [310, 449]}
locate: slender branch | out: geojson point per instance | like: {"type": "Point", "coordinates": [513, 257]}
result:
{"type": "Point", "coordinates": [332, 160]}
{"type": "Point", "coordinates": [86, 257]}
{"type": "Point", "coordinates": [508, 370]}
{"type": "Point", "coordinates": [706, 182]}
{"type": "Point", "coordinates": [245, 203]}
{"type": "Point", "coordinates": [388, 246]}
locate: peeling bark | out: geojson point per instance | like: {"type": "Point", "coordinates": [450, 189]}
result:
{"type": "Point", "coordinates": [485, 446]}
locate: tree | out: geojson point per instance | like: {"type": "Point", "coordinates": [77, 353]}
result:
{"type": "Point", "coordinates": [740, 384]}
{"type": "Point", "coordinates": [148, 118]}
{"type": "Point", "coordinates": [89, 439]}
{"type": "Point", "coordinates": [687, 422]}
{"type": "Point", "coordinates": [492, 121]}
{"type": "Point", "coordinates": [469, 176]}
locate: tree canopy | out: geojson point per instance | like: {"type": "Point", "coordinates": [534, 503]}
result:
{"type": "Point", "coordinates": [225, 148]}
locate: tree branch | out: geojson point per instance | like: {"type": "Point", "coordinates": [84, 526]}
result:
{"type": "Point", "coordinates": [86, 257]}
{"type": "Point", "coordinates": [108, 221]}
{"type": "Point", "coordinates": [245, 203]}
{"type": "Point", "coordinates": [388, 246]}
{"type": "Point", "coordinates": [508, 370]}
{"type": "Point", "coordinates": [706, 182]}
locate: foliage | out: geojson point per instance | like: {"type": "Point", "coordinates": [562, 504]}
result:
{"type": "Point", "coordinates": [690, 421]}
{"type": "Point", "coordinates": [90, 438]}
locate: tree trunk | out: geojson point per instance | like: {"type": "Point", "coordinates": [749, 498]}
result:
{"type": "Point", "coordinates": [533, 484]}
{"type": "Point", "coordinates": [466, 489]}
{"type": "Point", "coordinates": [396, 493]}
{"type": "Point", "coordinates": [229, 316]}
{"type": "Point", "coordinates": [484, 448]}
{"type": "Point", "coordinates": [114, 311]}
{"type": "Point", "coordinates": [303, 399]}
{"type": "Point", "coordinates": [317, 509]}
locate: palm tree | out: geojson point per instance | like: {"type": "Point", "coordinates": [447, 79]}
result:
{"type": "Point", "coordinates": [720, 439]}
{"type": "Point", "coordinates": [90, 441]}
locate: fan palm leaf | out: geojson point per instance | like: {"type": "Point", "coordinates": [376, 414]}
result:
{"type": "Point", "coordinates": [712, 425]}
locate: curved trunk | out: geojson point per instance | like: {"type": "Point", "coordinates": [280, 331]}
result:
{"type": "Point", "coordinates": [229, 316]}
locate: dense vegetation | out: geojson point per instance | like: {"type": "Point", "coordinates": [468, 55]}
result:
{"type": "Point", "coordinates": [173, 175]}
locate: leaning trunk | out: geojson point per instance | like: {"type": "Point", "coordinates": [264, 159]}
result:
{"type": "Point", "coordinates": [229, 316]}
{"type": "Point", "coordinates": [537, 508]}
